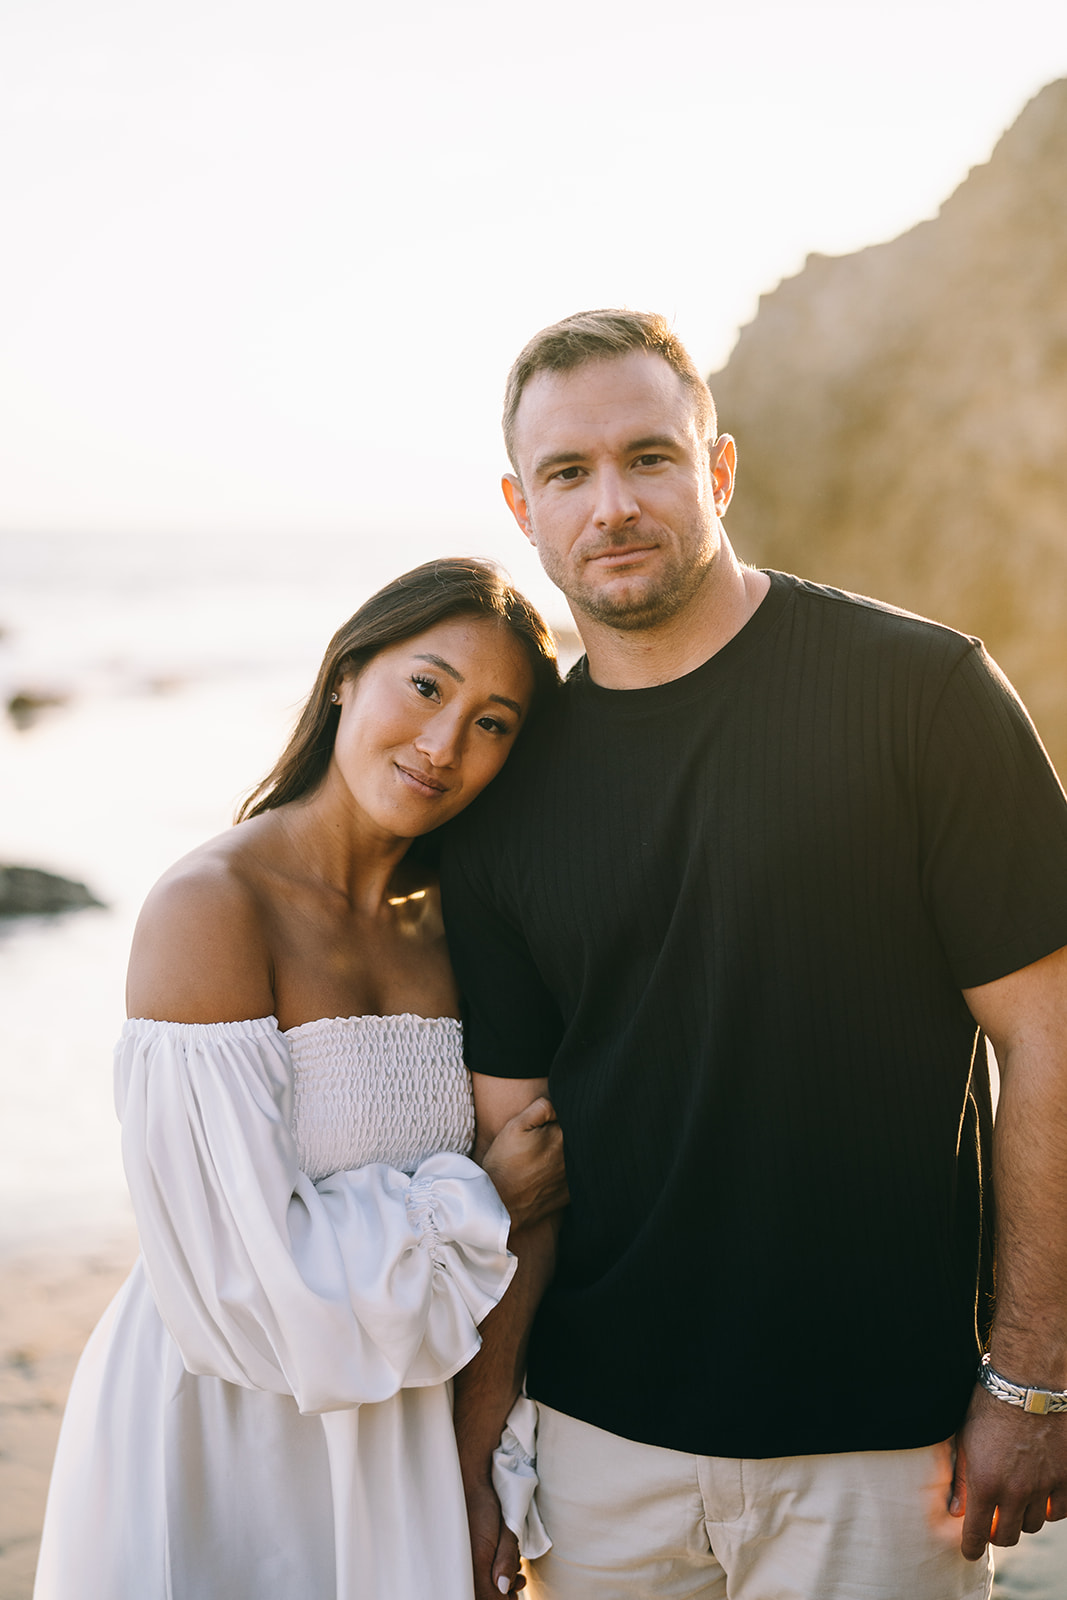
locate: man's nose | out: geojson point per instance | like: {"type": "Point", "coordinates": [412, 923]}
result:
{"type": "Point", "coordinates": [616, 504]}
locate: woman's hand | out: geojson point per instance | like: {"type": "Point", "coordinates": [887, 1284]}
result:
{"type": "Point", "coordinates": [525, 1162]}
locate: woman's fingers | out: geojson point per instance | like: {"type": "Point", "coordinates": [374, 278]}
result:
{"type": "Point", "coordinates": [537, 1114]}
{"type": "Point", "coordinates": [525, 1162]}
{"type": "Point", "coordinates": [506, 1575]}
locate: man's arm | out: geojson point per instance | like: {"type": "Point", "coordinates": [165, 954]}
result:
{"type": "Point", "coordinates": [486, 1390]}
{"type": "Point", "coordinates": [1012, 1471]}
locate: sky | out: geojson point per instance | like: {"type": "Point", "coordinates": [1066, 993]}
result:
{"type": "Point", "coordinates": [265, 264]}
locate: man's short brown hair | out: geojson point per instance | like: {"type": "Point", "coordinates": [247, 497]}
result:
{"type": "Point", "coordinates": [603, 336]}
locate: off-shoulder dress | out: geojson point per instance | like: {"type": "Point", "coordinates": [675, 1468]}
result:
{"type": "Point", "coordinates": [264, 1412]}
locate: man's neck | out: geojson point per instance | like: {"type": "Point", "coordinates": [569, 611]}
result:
{"type": "Point", "coordinates": [639, 658]}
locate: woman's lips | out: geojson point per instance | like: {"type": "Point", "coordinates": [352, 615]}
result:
{"type": "Point", "coordinates": [421, 782]}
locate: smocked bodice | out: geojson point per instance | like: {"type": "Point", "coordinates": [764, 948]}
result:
{"type": "Point", "coordinates": [368, 1089]}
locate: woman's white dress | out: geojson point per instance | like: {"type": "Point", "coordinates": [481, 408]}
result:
{"type": "Point", "coordinates": [264, 1411]}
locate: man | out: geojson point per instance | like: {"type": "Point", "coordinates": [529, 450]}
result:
{"type": "Point", "coordinates": [745, 903]}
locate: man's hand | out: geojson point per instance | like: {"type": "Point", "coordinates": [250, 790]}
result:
{"type": "Point", "coordinates": [1011, 1473]}
{"type": "Point", "coordinates": [494, 1547]}
{"type": "Point", "coordinates": [525, 1162]}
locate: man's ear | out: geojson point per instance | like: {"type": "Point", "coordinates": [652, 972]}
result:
{"type": "Point", "coordinates": [723, 455]}
{"type": "Point", "coordinates": [516, 499]}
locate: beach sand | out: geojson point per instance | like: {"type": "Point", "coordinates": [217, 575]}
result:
{"type": "Point", "coordinates": [49, 1303]}
{"type": "Point", "coordinates": [1036, 1568]}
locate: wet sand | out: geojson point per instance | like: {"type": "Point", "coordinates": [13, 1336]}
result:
{"type": "Point", "coordinates": [49, 1303]}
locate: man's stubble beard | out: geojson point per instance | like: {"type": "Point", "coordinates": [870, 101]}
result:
{"type": "Point", "coordinates": [658, 603]}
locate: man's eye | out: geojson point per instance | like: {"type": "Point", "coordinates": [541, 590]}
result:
{"type": "Point", "coordinates": [649, 461]}
{"type": "Point", "coordinates": [427, 687]}
{"type": "Point", "coordinates": [569, 474]}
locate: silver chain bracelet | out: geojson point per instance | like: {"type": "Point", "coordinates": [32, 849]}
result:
{"type": "Point", "coordinates": [1039, 1401]}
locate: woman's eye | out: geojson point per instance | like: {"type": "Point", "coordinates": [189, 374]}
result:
{"type": "Point", "coordinates": [493, 725]}
{"type": "Point", "coordinates": [427, 687]}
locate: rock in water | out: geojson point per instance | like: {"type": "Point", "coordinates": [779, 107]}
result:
{"type": "Point", "coordinates": [25, 707]}
{"type": "Point", "coordinates": [27, 891]}
{"type": "Point", "coordinates": [901, 416]}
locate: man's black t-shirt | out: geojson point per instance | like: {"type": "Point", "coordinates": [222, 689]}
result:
{"type": "Point", "coordinates": [730, 917]}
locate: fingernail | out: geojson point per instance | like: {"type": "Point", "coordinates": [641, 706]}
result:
{"type": "Point", "coordinates": [503, 1584]}
{"type": "Point", "coordinates": [954, 1506]}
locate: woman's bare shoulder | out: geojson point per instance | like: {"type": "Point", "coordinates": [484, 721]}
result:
{"type": "Point", "coordinates": [200, 952]}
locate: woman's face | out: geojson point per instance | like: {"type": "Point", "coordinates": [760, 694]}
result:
{"type": "Point", "coordinates": [427, 723]}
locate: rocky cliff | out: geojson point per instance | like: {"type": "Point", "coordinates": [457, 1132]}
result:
{"type": "Point", "coordinates": [901, 416]}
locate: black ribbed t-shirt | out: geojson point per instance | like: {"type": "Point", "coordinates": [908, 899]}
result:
{"type": "Point", "coordinates": [730, 917]}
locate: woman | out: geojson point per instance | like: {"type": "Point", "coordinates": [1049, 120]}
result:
{"type": "Point", "coordinates": [264, 1410]}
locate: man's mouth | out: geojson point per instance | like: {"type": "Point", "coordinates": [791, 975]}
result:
{"type": "Point", "coordinates": [421, 782]}
{"type": "Point", "coordinates": [620, 555]}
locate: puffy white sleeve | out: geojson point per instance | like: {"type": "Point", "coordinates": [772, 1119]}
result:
{"type": "Point", "coordinates": [336, 1292]}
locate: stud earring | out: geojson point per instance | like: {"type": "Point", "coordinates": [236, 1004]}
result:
{"type": "Point", "coordinates": [335, 699]}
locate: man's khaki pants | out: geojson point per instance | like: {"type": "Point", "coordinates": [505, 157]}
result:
{"type": "Point", "coordinates": [630, 1521]}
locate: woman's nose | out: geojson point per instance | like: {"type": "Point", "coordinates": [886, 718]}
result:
{"type": "Point", "coordinates": [439, 740]}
